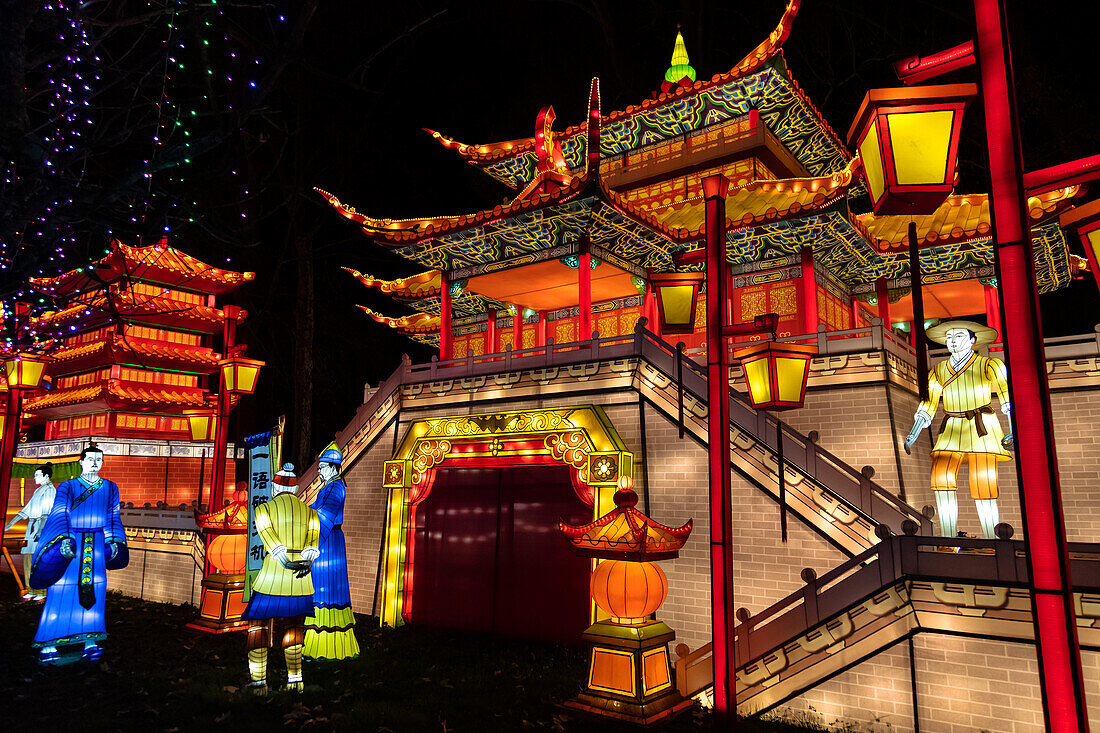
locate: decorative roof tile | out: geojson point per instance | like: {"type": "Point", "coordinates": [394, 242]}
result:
{"type": "Point", "coordinates": [416, 323]}
{"type": "Point", "coordinates": [626, 533]}
{"type": "Point", "coordinates": [957, 219]}
{"type": "Point", "coordinates": [422, 285]}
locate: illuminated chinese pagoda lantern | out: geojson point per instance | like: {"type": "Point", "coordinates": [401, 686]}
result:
{"type": "Point", "coordinates": [776, 373]}
{"type": "Point", "coordinates": [677, 298]}
{"type": "Point", "coordinates": [223, 580]}
{"type": "Point", "coordinates": [24, 370]}
{"type": "Point", "coordinates": [629, 674]}
{"type": "Point", "coordinates": [1086, 220]}
{"type": "Point", "coordinates": [908, 138]}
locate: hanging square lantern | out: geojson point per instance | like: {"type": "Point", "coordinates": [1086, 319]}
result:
{"type": "Point", "coordinates": [776, 373]}
{"type": "Point", "coordinates": [203, 424]}
{"type": "Point", "coordinates": [239, 375]}
{"type": "Point", "coordinates": [677, 297]}
{"type": "Point", "coordinates": [908, 139]}
{"type": "Point", "coordinates": [24, 370]}
{"type": "Point", "coordinates": [1086, 220]}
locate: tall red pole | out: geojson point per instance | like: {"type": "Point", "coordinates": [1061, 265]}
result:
{"type": "Point", "coordinates": [540, 329]}
{"type": "Point", "coordinates": [1051, 592]}
{"type": "Point", "coordinates": [992, 309]}
{"type": "Point", "coordinates": [12, 413]}
{"type": "Point", "coordinates": [491, 332]}
{"type": "Point", "coordinates": [882, 295]}
{"type": "Point", "coordinates": [584, 284]}
{"type": "Point", "coordinates": [808, 289]}
{"type": "Point", "coordinates": [221, 427]}
{"type": "Point", "coordinates": [718, 450]}
{"type": "Point", "coordinates": [444, 319]}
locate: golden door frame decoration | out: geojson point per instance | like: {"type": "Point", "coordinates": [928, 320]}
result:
{"type": "Point", "coordinates": [579, 437]}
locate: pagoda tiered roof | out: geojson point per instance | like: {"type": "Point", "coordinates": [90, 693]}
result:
{"type": "Point", "coordinates": [118, 349]}
{"type": "Point", "coordinates": [760, 81]}
{"type": "Point", "coordinates": [413, 287]}
{"type": "Point", "coordinates": [417, 323]}
{"type": "Point", "coordinates": [626, 533]}
{"type": "Point", "coordinates": [99, 309]}
{"type": "Point", "coordinates": [115, 394]}
{"type": "Point", "coordinates": [158, 263]}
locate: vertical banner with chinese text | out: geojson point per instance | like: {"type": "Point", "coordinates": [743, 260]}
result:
{"type": "Point", "coordinates": [262, 463]}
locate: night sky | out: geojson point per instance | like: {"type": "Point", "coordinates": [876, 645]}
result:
{"type": "Point", "coordinates": [347, 111]}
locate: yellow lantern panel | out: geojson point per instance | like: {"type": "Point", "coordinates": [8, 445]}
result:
{"type": "Point", "coordinates": [677, 304]}
{"type": "Point", "coordinates": [921, 146]}
{"type": "Point", "coordinates": [870, 152]}
{"type": "Point", "coordinates": [656, 675]}
{"type": "Point", "coordinates": [1092, 245]}
{"type": "Point", "coordinates": [791, 376]}
{"type": "Point", "coordinates": [203, 425]}
{"type": "Point", "coordinates": [24, 371]}
{"type": "Point", "coordinates": [240, 375]}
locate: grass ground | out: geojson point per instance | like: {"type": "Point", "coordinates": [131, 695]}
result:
{"type": "Point", "coordinates": [156, 675]}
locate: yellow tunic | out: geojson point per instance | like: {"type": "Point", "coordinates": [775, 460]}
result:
{"type": "Point", "coordinates": [285, 520]}
{"type": "Point", "coordinates": [965, 391]}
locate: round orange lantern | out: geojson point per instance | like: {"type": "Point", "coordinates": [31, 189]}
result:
{"type": "Point", "coordinates": [227, 553]}
{"type": "Point", "coordinates": [629, 590]}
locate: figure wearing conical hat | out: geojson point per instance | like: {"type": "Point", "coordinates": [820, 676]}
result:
{"type": "Point", "coordinates": [970, 431]}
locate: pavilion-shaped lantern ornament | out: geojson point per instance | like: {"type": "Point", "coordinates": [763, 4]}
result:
{"type": "Point", "coordinates": [223, 581]}
{"type": "Point", "coordinates": [908, 138]}
{"type": "Point", "coordinates": [776, 373]}
{"type": "Point", "coordinates": [629, 674]}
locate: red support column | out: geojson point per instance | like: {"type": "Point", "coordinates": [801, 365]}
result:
{"type": "Point", "coordinates": [12, 414]}
{"type": "Point", "coordinates": [491, 332]}
{"type": "Point", "coordinates": [993, 310]}
{"type": "Point", "coordinates": [1057, 648]}
{"type": "Point", "coordinates": [854, 315]}
{"type": "Point", "coordinates": [883, 297]}
{"type": "Point", "coordinates": [445, 347]}
{"type": "Point", "coordinates": [808, 290]}
{"type": "Point", "coordinates": [649, 310]}
{"type": "Point", "coordinates": [721, 509]}
{"type": "Point", "coordinates": [540, 329]}
{"type": "Point", "coordinates": [584, 285]}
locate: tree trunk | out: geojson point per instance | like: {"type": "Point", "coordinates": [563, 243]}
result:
{"type": "Point", "coordinates": [303, 352]}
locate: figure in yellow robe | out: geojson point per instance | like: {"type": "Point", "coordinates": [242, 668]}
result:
{"type": "Point", "coordinates": [970, 430]}
{"type": "Point", "coordinates": [283, 587]}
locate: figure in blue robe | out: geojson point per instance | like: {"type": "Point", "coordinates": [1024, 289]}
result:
{"type": "Point", "coordinates": [83, 537]}
{"type": "Point", "coordinates": [330, 632]}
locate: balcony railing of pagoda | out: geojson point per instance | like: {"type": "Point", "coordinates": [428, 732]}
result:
{"type": "Point", "coordinates": [800, 452]}
{"type": "Point", "coordinates": [997, 563]}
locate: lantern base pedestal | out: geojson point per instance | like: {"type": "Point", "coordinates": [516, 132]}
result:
{"type": "Point", "coordinates": [222, 604]}
{"type": "Point", "coordinates": [629, 674]}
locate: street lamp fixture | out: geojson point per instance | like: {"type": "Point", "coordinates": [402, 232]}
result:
{"type": "Point", "coordinates": [24, 370]}
{"type": "Point", "coordinates": [776, 373]}
{"type": "Point", "coordinates": [908, 139]}
{"type": "Point", "coordinates": [1086, 220]}
{"type": "Point", "coordinates": [203, 424]}
{"type": "Point", "coordinates": [677, 299]}
{"type": "Point", "coordinates": [239, 375]}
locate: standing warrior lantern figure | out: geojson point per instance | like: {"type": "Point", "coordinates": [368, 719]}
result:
{"type": "Point", "coordinates": [82, 540]}
{"type": "Point", "coordinates": [330, 632]}
{"type": "Point", "coordinates": [35, 512]}
{"type": "Point", "coordinates": [970, 430]}
{"type": "Point", "coordinates": [283, 588]}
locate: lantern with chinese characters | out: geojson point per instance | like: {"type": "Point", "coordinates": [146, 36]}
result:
{"type": "Point", "coordinates": [223, 581]}
{"type": "Point", "coordinates": [677, 298]}
{"type": "Point", "coordinates": [907, 139]}
{"type": "Point", "coordinates": [776, 373]}
{"type": "Point", "coordinates": [629, 675]}
{"type": "Point", "coordinates": [1086, 220]}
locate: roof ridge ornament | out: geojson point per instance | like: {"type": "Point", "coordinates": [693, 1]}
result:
{"type": "Point", "coordinates": [680, 71]}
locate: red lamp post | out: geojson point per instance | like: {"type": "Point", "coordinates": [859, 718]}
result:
{"type": "Point", "coordinates": [1050, 587]}
{"type": "Point", "coordinates": [24, 373]}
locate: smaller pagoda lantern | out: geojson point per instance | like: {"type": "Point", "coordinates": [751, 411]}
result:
{"type": "Point", "coordinates": [223, 579]}
{"type": "Point", "coordinates": [629, 675]}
